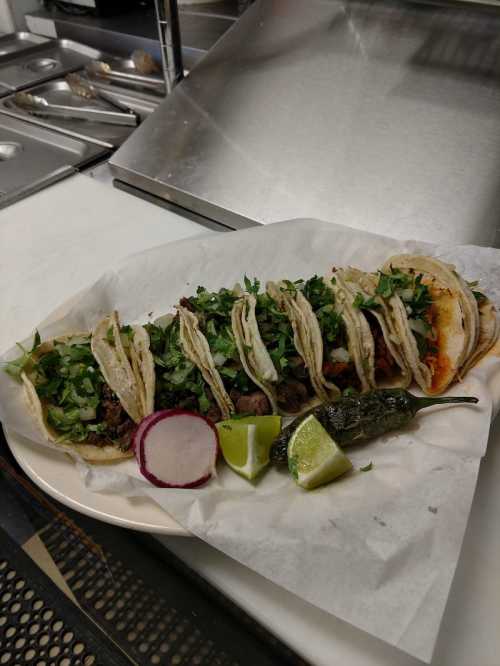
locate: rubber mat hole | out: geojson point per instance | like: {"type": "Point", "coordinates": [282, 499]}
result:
{"type": "Point", "coordinates": [109, 615]}
{"type": "Point", "coordinates": [11, 574]}
{"type": "Point", "coordinates": [64, 662]}
{"type": "Point", "coordinates": [143, 647]}
{"type": "Point", "coordinates": [89, 594]}
{"type": "Point", "coordinates": [57, 625]}
{"type": "Point", "coordinates": [69, 574]}
{"type": "Point", "coordinates": [6, 597]}
{"type": "Point", "coordinates": [78, 584]}
{"type": "Point", "coordinates": [25, 617]}
{"type": "Point", "coordinates": [164, 647]}
{"type": "Point", "coordinates": [121, 626]}
{"type": "Point", "coordinates": [16, 607]}
{"type": "Point", "coordinates": [54, 651]}
{"type": "Point", "coordinates": [110, 593]}
{"type": "Point", "coordinates": [29, 654]}
{"type": "Point", "coordinates": [5, 658]}
{"type": "Point", "coordinates": [29, 594]}
{"type": "Point", "coordinates": [3, 564]}
{"type": "Point", "coordinates": [37, 604]}
{"type": "Point", "coordinates": [68, 637]}
{"type": "Point", "coordinates": [78, 648]}
{"type": "Point", "coordinates": [42, 662]}
{"type": "Point", "coordinates": [176, 659]}
{"type": "Point", "coordinates": [89, 660]}
{"type": "Point", "coordinates": [99, 604]}
{"type": "Point", "coordinates": [47, 614]}
{"type": "Point", "coordinates": [43, 640]}
{"type": "Point", "coordinates": [120, 603]}
{"type": "Point", "coordinates": [20, 643]}
{"type": "Point", "coordinates": [34, 629]}
{"type": "Point", "coordinates": [131, 636]}
{"type": "Point", "coordinates": [155, 659]}
{"type": "Point", "coordinates": [20, 584]}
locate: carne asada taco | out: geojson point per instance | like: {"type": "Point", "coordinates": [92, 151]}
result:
{"type": "Point", "coordinates": [182, 374]}
{"type": "Point", "coordinates": [386, 365]}
{"type": "Point", "coordinates": [430, 323]}
{"type": "Point", "coordinates": [71, 401]}
{"type": "Point", "coordinates": [280, 353]}
{"type": "Point", "coordinates": [209, 323]}
{"type": "Point", "coordinates": [126, 364]}
{"type": "Point", "coordinates": [329, 344]}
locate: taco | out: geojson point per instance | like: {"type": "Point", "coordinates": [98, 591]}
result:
{"type": "Point", "coordinates": [181, 370]}
{"type": "Point", "coordinates": [276, 348]}
{"type": "Point", "coordinates": [427, 312]}
{"type": "Point", "coordinates": [433, 269]}
{"type": "Point", "coordinates": [212, 323]}
{"type": "Point", "coordinates": [489, 330]}
{"type": "Point", "coordinates": [384, 364]}
{"type": "Point", "coordinates": [324, 337]}
{"type": "Point", "coordinates": [126, 364]}
{"type": "Point", "coordinates": [72, 402]}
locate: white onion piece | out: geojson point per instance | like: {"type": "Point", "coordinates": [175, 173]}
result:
{"type": "Point", "coordinates": [178, 449]}
{"type": "Point", "coordinates": [419, 326]}
{"type": "Point", "coordinates": [340, 354]}
{"type": "Point", "coordinates": [406, 294]}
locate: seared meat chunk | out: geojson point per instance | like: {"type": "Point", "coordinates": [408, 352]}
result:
{"type": "Point", "coordinates": [254, 403]}
{"type": "Point", "coordinates": [292, 395]}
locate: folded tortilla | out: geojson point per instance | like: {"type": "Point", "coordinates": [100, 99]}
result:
{"type": "Point", "coordinates": [39, 409]}
{"type": "Point", "coordinates": [379, 323]}
{"type": "Point", "coordinates": [454, 317]}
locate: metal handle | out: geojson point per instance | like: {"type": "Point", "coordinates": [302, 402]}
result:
{"type": "Point", "coordinates": [95, 115]}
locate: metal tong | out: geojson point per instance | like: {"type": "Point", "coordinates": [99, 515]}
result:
{"type": "Point", "coordinates": [103, 70]}
{"type": "Point", "coordinates": [38, 105]}
{"type": "Point", "coordinates": [83, 88]}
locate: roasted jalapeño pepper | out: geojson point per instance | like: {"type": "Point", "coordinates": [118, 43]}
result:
{"type": "Point", "coordinates": [355, 419]}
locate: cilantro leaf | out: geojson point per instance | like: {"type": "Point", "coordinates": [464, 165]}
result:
{"type": "Point", "coordinates": [365, 303]}
{"type": "Point", "coordinates": [388, 283]}
{"type": "Point", "coordinates": [251, 287]}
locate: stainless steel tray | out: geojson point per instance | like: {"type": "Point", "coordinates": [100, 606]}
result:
{"type": "Point", "coordinates": [58, 92]}
{"type": "Point", "coordinates": [16, 42]}
{"type": "Point", "coordinates": [45, 62]}
{"type": "Point", "coordinates": [33, 157]}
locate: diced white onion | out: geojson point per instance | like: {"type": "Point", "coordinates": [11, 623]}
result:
{"type": "Point", "coordinates": [219, 359]}
{"type": "Point", "coordinates": [419, 326]}
{"type": "Point", "coordinates": [87, 413]}
{"type": "Point", "coordinates": [408, 310]}
{"type": "Point", "coordinates": [164, 321]}
{"type": "Point", "coordinates": [340, 355]}
{"type": "Point", "coordinates": [406, 294]}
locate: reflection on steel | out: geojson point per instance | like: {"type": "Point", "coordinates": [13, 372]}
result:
{"type": "Point", "coordinates": [167, 17]}
{"type": "Point", "coordinates": [384, 116]}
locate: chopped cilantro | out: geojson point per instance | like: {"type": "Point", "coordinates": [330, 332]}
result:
{"type": "Point", "coordinates": [16, 367]}
{"type": "Point", "coordinates": [388, 283]}
{"type": "Point", "coordinates": [110, 336]}
{"type": "Point", "coordinates": [251, 287]}
{"type": "Point", "coordinates": [365, 303]}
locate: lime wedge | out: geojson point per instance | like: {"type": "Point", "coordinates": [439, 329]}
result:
{"type": "Point", "coordinates": [246, 442]}
{"type": "Point", "coordinates": [314, 458]}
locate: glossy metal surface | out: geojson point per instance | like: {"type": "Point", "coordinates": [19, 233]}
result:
{"type": "Point", "coordinates": [45, 62]}
{"type": "Point", "coordinates": [381, 116]}
{"type": "Point", "coordinates": [16, 42]}
{"type": "Point", "coordinates": [33, 157]}
{"type": "Point", "coordinates": [58, 92]}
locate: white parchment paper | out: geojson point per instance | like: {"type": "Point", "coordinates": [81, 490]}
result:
{"type": "Point", "coordinates": [377, 549]}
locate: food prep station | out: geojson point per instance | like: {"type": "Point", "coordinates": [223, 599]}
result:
{"type": "Point", "coordinates": [370, 106]}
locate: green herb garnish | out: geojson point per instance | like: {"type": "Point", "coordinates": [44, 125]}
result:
{"type": "Point", "coordinates": [365, 303]}
{"type": "Point", "coordinates": [366, 468]}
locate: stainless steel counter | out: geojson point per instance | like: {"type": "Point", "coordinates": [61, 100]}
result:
{"type": "Point", "coordinates": [381, 116]}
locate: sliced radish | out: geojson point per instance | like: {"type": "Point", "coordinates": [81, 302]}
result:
{"type": "Point", "coordinates": [139, 431]}
{"type": "Point", "coordinates": [177, 448]}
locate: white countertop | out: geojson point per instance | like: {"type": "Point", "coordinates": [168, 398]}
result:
{"type": "Point", "coordinates": [81, 227]}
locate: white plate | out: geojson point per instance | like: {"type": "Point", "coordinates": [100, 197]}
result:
{"type": "Point", "coordinates": [56, 474]}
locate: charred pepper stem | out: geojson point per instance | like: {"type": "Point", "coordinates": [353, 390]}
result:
{"type": "Point", "coordinates": [356, 419]}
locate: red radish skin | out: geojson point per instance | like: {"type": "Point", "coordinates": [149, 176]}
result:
{"type": "Point", "coordinates": [205, 458]}
{"type": "Point", "coordinates": [138, 432]}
